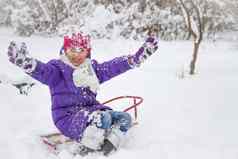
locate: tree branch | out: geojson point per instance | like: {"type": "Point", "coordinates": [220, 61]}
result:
{"type": "Point", "coordinates": [199, 25]}
{"type": "Point", "coordinates": [188, 18]}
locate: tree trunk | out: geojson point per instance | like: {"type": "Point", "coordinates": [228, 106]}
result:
{"type": "Point", "coordinates": [194, 59]}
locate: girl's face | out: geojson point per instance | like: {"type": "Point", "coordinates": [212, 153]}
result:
{"type": "Point", "coordinates": [76, 57]}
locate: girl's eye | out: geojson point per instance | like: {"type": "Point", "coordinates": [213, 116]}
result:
{"type": "Point", "coordinates": [78, 50]}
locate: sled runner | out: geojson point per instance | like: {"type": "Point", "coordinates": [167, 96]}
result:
{"type": "Point", "coordinates": [56, 142]}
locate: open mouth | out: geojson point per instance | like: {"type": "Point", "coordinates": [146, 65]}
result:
{"type": "Point", "coordinates": [76, 61]}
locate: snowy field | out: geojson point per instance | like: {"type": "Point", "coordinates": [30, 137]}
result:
{"type": "Point", "coordinates": [181, 118]}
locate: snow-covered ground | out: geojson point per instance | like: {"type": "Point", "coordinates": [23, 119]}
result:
{"type": "Point", "coordinates": [181, 118]}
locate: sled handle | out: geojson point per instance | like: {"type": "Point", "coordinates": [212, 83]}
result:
{"type": "Point", "coordinates": [137, 101]}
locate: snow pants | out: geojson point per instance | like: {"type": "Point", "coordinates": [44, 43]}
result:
{"type": "Point", "coordinates": [121, 119]}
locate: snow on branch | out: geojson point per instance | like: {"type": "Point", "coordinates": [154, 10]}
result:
{"type": "Point", "coordinates": [193, 19]}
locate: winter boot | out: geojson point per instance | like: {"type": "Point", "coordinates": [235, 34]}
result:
{"type": "Point", "coordinates": [93, 137]}
{"type": "Point", "coordinates": [107, 147]}
{"type": "Point", "coordinates": [84, 151]}
{"type": "Point", "coordinates": [112, 141]}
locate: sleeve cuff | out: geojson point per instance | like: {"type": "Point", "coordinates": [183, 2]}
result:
{"type": "Point", "coordinates": [30, 66]}
{"type": "Point", "coordinates": [131, 62]}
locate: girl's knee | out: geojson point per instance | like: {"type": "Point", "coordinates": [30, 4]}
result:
{"type": "Point", "coordinates": [125, 122]}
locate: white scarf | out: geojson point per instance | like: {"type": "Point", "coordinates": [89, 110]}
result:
{"type": "Point", "coordinates": [84, 74]}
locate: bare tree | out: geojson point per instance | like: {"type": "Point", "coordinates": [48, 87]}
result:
{"type": "Point", "coordinates": [195, 24]}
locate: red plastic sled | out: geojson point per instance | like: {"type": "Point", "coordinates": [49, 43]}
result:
{"type": "Point", "coordinates": [54, 140]}
{"type": "Point", "coordinates": [136, 102]}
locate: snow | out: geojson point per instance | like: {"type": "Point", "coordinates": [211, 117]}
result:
{"type": "Point", "coordinates": [181, 118]}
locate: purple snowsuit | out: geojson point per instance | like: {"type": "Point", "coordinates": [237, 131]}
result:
{"type": "Point", "coordinates": [70, 104]}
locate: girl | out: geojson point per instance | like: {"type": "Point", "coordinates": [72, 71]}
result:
{"type": "Point", "coordinates": [73, 81]}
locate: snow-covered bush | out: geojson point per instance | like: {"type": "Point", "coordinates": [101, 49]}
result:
{"type": "Point", "coordinates": [5, 12]}
{"type": "Point", "coordinates": [112, 18]}
{"type": "Point", "coordinates": [33, 16]}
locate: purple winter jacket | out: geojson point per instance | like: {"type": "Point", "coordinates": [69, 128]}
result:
{"type": "Point", "coordinates": [72, 105]}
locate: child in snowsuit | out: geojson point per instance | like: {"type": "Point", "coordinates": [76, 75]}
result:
{"type": "Point", "coordinates": [73, 81]}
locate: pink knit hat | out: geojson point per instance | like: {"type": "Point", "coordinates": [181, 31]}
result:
{"type": "Point", "coordinates": [77, 41]}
